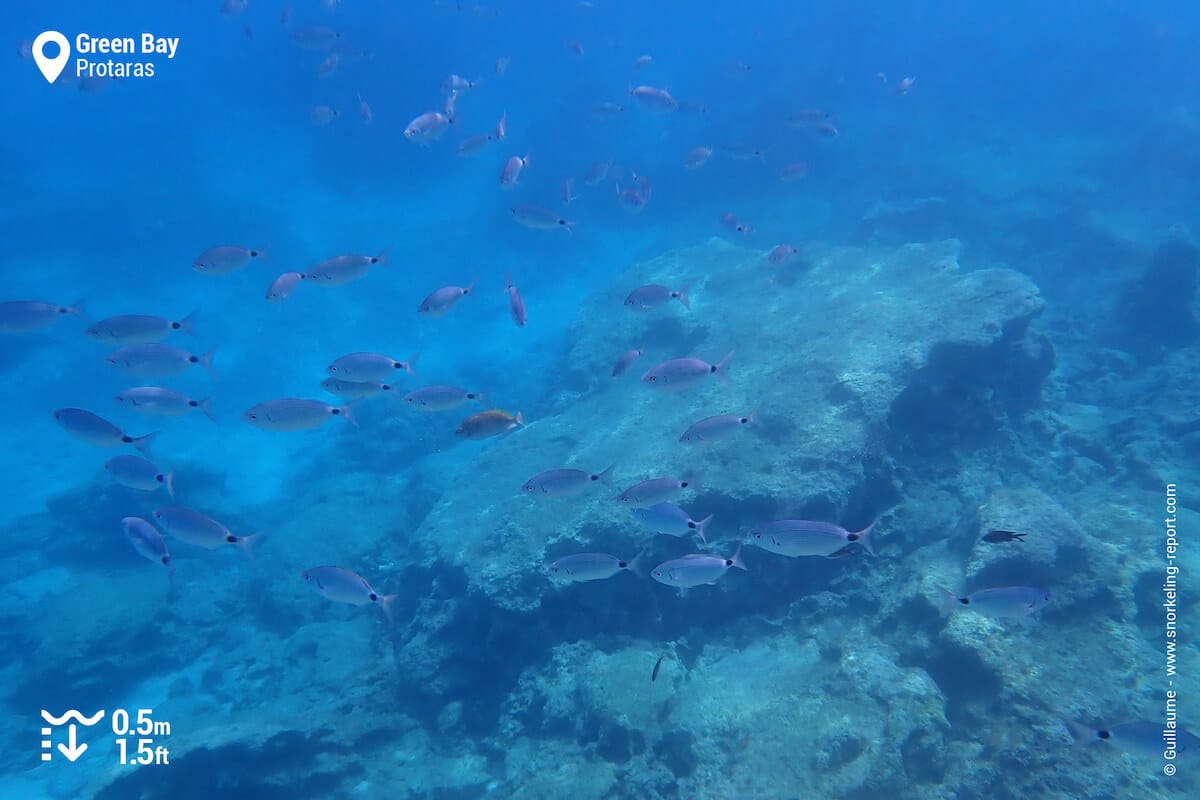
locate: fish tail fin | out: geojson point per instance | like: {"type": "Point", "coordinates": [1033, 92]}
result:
{"type": "Point", "coordinates": [347, 414]}
{"type": "Point", "coordinates": [383, 258]}
{"type": "Point", "coordinates": [169, 480]}
{"type": "Point", "coordinates": [525, 162]}
{"type": "Point", "coordinates": [206, 408]}
{"type": "Point", "coordinates": [188, 323]}
{"type": "Point", "coordinates": [385, 602]}
{"type": "Point", "coordinates": [469, 288]}
{"type": "Point", "coordinates": [721, 368]}
{"type": "Point", "coordinates": [250, 544]}
{"type": "Point", "coordinates": [79, 309]}
{"type": "Point", "coordinates": [606, 475]}
{"type": "Point", "coordinates": [1080, 734]}
{"type": "Point", "coordinates": [1020, 537]}
{"type": "Point", "coordinates": [520, 419]}
{"type": "Point", "coordinates": [737, 559]}
{"type": "Point", "coordinates": [683, 298]}
{"type": "Point", "coordinates": [637, 564]}
{"type": "Point", "coordinates": [949, 601]}
{"type": "Point", "coordinates": [206, 361]}
{"type": "Point", "coordinates": [865, 539]}
{"type": "Point", "coordinates": [475, 396]}
{"type": "Point", "coordinates": [508, 284]}
{"type": "Point", "coordinates": [408, 365]}
{"type": "Point", "coordinates": [142, 443]}
{"type": "Point", "coordinates": [702, 525]}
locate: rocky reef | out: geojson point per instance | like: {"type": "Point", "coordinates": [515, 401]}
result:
{"type": "Point", "coordinates": [886, 383]}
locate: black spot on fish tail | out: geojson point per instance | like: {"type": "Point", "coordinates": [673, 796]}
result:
{"type": "Point", "coordinates": [231, 539]}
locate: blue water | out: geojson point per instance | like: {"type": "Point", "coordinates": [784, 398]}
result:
{"type": "Point", "coordinates": [1058, 144]}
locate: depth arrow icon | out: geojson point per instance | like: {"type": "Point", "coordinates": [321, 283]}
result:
{"type": "Point", "coordinates": [71, 749]}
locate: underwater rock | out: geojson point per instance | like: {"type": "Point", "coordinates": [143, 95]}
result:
{"type": "Point", "coordinates": [1154, 313]}
{"type": "Point", "coordinates": [822, 361]}
{"type": "Point", "coordinates": [1057, 553]}
{"type": "Point", "coordinates": [774, 707]}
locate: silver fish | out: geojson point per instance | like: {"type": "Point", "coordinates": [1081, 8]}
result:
{"type": "Point", "coordinates": [564, 482]}
{"type": "Point", "coordinates": [369, 367]}
{"type": "Point", "coordinates": [138, 473]}
{"type": "Point", "coordinates": [654, 98]}
{"type": "Point", "coordinates": [597, 173]}
{"type": "Point", "coordinates": [714, 429]}
{"type": "Point", "coordinates": [592, 566]}
{"type": "Point", "coordinates": [540, 219]}
{"type": "Point", "coordinates": [670, 519]}
{"type": "Point", "coordinates": [646, 298]}
{"type": "Point", "coordinates": [315, 37]}
{"type": "Point", "coordinates": [510, 175]}
{"type": "Point", "coordinates": [516, 303]}
{"type": "Point", "coordinates": [566, 192]}
{"type": "Point", "coordinates": [801, 537]}
{"type": "Point", "coordinates": [695, 569]}
{"type": "Point", "coordinates": [90, 428]}
{"type": "Point", "coordinates": [23, 316]}
{"type": "Point", "coordinates": [224, 259]}
{"type": "Point", "coordinates": [1007, 601]}
{"type": "Point", "coordinates": [683, 373]}
{"type": "Point", "coordinates": [159, 401]}
{"type": "Point", "coordinates": [1139, 738]}
{"type": "Point", "coordinates": [322, 115]}
{"type": "Point", "coordinates": [781, 253]}
{"type": "Point", "coordinates": [147, 541]}
{"type": "Point", "coordinates": [343, 586]}
{"type": "Point", "coordinates": [427, 127]}
{"type": "Point", "coordinates": [281, 288]}
{"type": "Point", "coordinates": [343, 269]}
{"type": "Point", "coordinates": [457, 83]}
{"type": "Point", "coordinates": [697, 158]}
{"type": "Point", "coordinates": [441, 301]}
{"type": "Point", "coordinates": [606, 110]}
{"type": "Point", "coordinates": [653, 491]}
{"type": "Point", "coordinates": [137, 328]}
{"type": "Point", "coordinates": [440, 398]}
{"type": "Point", "coordinates": [198, 529]}
{"type": "Point", "coordinates": [626, 361]}
{"type": "Point", "coordinates": [487, 424]}
{"type": "Point", "coordinates": [156, 360]}
{"type": "Point", "coordinates": [473, 144]}
{"type": "Point", "coordinates": [294, 414]}
{"type": "Point", "coordinates": [354, 390]}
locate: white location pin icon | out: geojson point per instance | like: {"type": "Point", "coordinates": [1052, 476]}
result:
{"type": "Point", "coordinates": [51, 67]}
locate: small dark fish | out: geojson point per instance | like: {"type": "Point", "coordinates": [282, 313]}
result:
{"type": "Point", "coordinates": [657, 667]}
{"type": "Point", "coordinates": [995, 537]}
